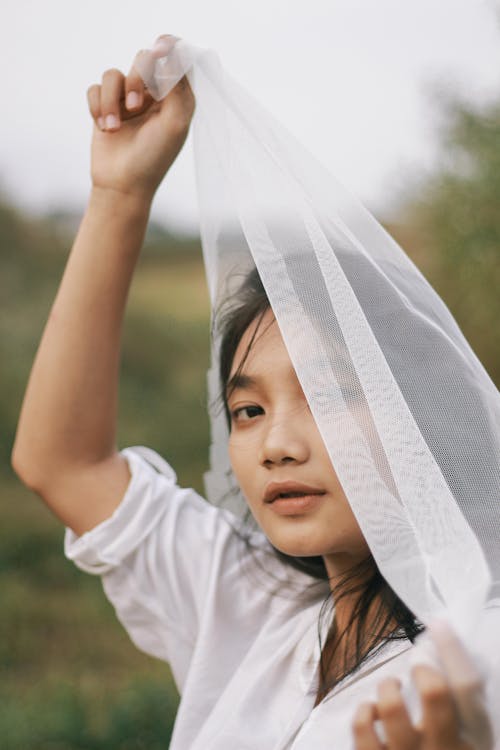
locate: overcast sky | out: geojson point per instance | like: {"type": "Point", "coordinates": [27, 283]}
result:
{"type": "Point", "coordinates": [352, 79]}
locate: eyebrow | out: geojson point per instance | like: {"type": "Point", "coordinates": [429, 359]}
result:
{"type": "Point", "coordinates": [240, 380]}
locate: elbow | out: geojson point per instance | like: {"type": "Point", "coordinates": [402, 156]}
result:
{"type": "Point", "coordinates": [26, 469]}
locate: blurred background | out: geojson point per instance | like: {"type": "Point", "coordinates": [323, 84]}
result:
{"type": "Point", "coordinates": [401, 100]}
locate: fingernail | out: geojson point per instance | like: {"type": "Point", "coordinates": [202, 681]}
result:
{"type": "Point", "coordinates": [112, 122]}
{"type": "Point", "coordinates": [133, 100]}
{"type": "Point", "coordinates": [158, 47]}
{"type": "Point", "coordinates": [164, 44]}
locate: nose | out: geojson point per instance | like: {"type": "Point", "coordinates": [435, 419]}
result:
{"type": "Point", "coordinates": [284, 442]}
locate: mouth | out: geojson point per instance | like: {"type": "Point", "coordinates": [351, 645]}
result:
{"type": "Point", "coordinates": [276, 491]}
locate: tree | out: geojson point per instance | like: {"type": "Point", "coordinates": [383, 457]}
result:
{"type": "Point", "coordinates": [458, 223]}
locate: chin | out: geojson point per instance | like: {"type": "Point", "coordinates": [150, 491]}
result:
{"type": "Point", "coordinates": [297, 547]}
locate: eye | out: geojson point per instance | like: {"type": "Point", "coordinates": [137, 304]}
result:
{"type": "Point", "coordinates": [246, 413]}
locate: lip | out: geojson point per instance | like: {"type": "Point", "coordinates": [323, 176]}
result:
{"type": "Point", "coordinates": [296, 506]}
{"type": "Point", "coordinates": [275, 489]}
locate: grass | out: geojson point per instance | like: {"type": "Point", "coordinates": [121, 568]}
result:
{"type": "Point", "coordinates": [71, 678]}
{"type": "Point", "coordinates": [177, 292]}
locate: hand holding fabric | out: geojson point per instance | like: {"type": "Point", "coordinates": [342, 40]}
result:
{"type": "Point", "coordinates": [453, 713]}
{"type": "Point", "coordinates": [136, 139]}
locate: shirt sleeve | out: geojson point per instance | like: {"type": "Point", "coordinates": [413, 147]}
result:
{"type": "Point", "coordinates": [157, 555]}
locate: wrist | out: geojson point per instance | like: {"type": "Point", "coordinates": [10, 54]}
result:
{"type": "Point", "coordinates": [120, 203]}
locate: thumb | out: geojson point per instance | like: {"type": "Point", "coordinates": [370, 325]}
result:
{"type": "Point", "coordinates": [162, 66]}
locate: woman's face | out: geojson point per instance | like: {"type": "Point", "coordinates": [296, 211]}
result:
{"type": "Point", "coordinates": [279, 458]}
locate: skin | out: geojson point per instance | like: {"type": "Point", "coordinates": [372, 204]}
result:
{"type": "Point", "coordinates": [274, 438]}
{"type": "Point", "coordinates": [65, 446]}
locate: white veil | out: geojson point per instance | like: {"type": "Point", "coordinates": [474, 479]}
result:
{"type": "Point", "coordinates": [409, 416]}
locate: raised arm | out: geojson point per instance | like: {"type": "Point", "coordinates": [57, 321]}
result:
{"type": "Point", "coordinates": [65, 445]}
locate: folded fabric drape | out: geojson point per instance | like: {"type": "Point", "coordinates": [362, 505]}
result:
{"type": "Point", "coordinates": [408, 414]}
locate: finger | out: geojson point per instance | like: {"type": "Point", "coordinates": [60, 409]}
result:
{"type": "Point", "coordinates": [145, 59]}
{"type": "Point", "coordinates": [400, 732]}
{"type": "Point", "coordinates": [363, 728]}
{"type": "Point", "coordinates": [112, 93]}
{"type": "Point", "coordinates": [135, 90]}
{"type": "Point", "coordinates": [440, 723]}
{"type": "Point", "coordinates": [465, 683]}
{"type": "Point", "coordinates": [457, 662]}
{"type": "Point", "coordinates": [182, 94]}
{"type": "Point", "coordinates": [179, 106]}
{"type": "Point", "coordinates": [94, 102]}
{"type": "Point", "coordinates": [164, 45]}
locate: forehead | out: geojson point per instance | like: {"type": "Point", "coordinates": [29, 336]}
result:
{"type": "Point", "coordinates": [262, 349]}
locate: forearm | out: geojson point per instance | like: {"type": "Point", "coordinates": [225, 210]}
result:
{"type": "Point", "coordinates": [69, 413]}
{"type": "Point", "coordinates": [65, 447]}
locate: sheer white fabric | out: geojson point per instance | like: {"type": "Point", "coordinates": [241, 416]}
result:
{"type": "Point", "coordinates": [409, 416]}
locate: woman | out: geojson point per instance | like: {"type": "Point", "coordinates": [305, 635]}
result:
{"type": "Point", "coordinates": [235, 619]}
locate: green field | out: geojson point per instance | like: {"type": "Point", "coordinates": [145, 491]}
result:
{"type": "Point", "coordinates": [71, 678]}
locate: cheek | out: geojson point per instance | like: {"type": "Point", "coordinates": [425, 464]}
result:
{"type": "Point", "coordinates": [233, 459]}
{"type": "Point", "coordinates": [239, 459]}
{"type": "Point", "coordinates": [244, 470]}
{"type": "Point", "coordinates": [244, 448]}
{"type": "Point", "coordinates": [348, 533]}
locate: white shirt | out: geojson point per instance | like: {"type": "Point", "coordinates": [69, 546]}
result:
{"type": "Point", "coordinates": [237, 626]}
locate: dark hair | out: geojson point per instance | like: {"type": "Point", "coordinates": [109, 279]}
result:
{"type": "Point", "coordinates": [378, 615]}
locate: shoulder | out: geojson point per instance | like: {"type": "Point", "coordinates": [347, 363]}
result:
{"type": "Point", "coordinates": [153, 510]}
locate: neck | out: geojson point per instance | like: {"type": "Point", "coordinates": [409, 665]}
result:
{"type": "Point", "coordinates": [347, 578]}
{"type": "Point", "coordinates": [366, 613]}
{"type": "Point", "coordinates": [360, 622]}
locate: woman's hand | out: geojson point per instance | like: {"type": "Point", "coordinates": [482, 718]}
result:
{"type": "Point", "coordinates": [136, 139]}
{"type": "Point", "coordinates": [452, 707]}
